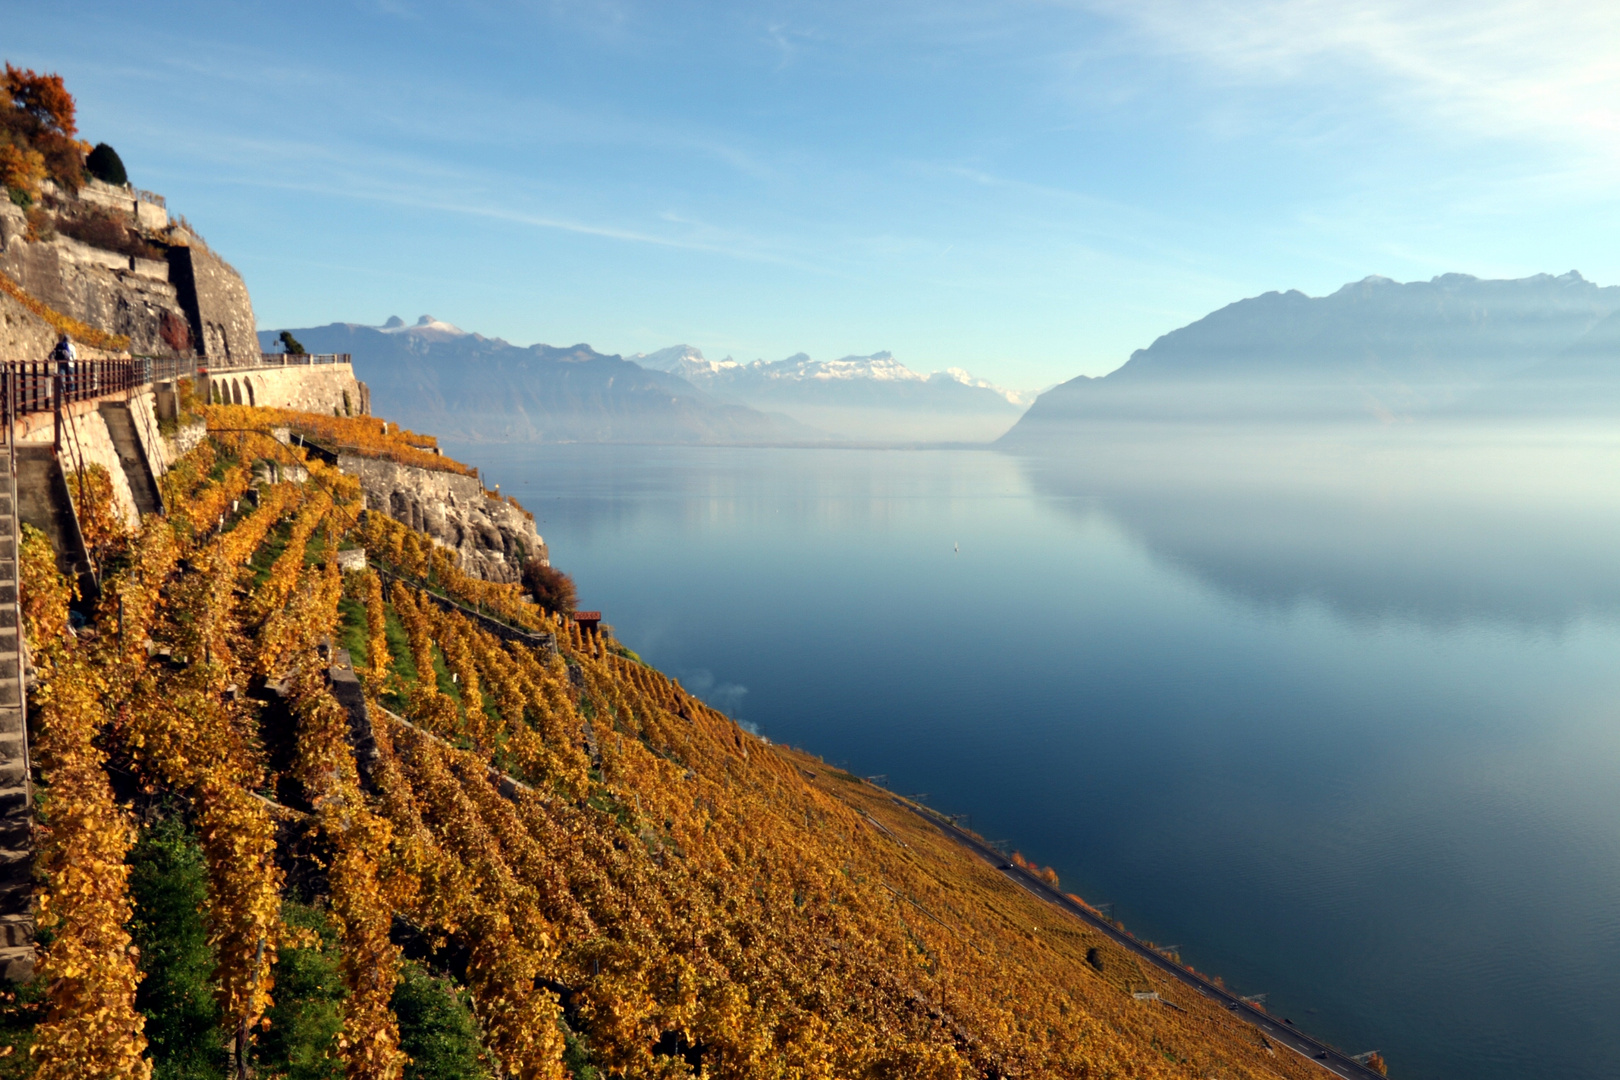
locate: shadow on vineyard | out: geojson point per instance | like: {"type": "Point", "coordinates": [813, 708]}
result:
{"type": "Point", "coordinates": [511, 851]}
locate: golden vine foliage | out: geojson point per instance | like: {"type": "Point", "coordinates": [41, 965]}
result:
{"type": "Point", "coordinates": [187, 475]}
{"type": "Point", "coordinates": [363, 911]}
{"type": "Point", "coordinates": [414, 556]}
{"type": "Point", "coordinates": [100, 523]}
{"type": "Point", "coordinates": [379, 663]}
{"type": "Point", "coordinates": [608, 854]}
{"type": "Point", "coordinates": [362, 435]}
{"type": "Point", "coordinates": [92, 1028]}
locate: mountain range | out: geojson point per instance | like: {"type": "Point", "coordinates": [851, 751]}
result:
{"type": "Point", "coordinates": [436, 376]}
{"type": "Point", "coordinates": [1454, 346]}
{"type": "Point", "coordinates": [872, 396]}
{"type": "Point", "coordinates": [1376, 350]}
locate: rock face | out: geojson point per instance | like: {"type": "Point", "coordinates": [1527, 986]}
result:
{"type": "Point", "coordinates": [113, 292]}
{"type": "Point", "coordinates": [23, 335]}
{"type": "Point", "coordinates": [113, 261]}
{"type": "Point", "coordinates": [493, 537]}
{"type": "Point", "coordinates": [216, 303]}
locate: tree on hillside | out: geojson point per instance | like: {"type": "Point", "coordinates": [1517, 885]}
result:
{"type": "Point", "coordinates": [291, 344]}
{"type": "Point", "coordinates": [105, 165]}
{"type": "Point", "coordinates": [39, 117]}
{"type": "Point", "coordinates": [552, 589]}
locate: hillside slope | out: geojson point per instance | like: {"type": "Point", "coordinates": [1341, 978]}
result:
{"type": "Point", "coordinates": [435, 377]}
{"type": "Point", "coordinates": [507, 849]}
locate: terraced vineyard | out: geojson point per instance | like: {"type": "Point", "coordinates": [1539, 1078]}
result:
{"type": "Point", "coordinates": [528, 855]}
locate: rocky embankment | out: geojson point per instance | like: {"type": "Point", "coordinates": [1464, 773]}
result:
{"type": "Point", "coordinates": [493, 536]}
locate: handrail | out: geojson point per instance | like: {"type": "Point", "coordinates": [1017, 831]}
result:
{"type": "Point", "coordinates": [31, 386]}
{"type": "Point", "coordinates": [286, 359]}
{"type": "Point", "coordinates": [39, 386]}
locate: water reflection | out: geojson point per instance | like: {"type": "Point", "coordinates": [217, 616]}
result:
{"type": "Point", "coordinates": [1337, 715]}
{"type": "Point", "coordinates": [1413, 526]}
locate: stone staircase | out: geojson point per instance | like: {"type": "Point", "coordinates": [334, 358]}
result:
{"type": "Point", "coordinates": [126, 440]}
{"type": "Point", "coordinates": [47, 505]}
{"type": "Point", "coordinates": [16, 809]}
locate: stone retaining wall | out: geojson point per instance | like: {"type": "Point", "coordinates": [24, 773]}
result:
{"type": "Point", "coordinates": [330, 389]}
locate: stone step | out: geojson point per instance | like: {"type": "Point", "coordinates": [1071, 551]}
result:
{"type": "Point", "coordinates": [10, 691]}
{"type": "Point", "coordinates": [17, 964]}
{"type": "Point", "coordinates": [16, 930]}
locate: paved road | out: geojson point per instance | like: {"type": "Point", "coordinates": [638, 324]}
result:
{"type": "Point", "coordinates": [1277, 1031]}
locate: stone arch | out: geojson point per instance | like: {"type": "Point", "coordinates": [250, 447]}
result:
{"type": "Point", "coordinates": [236, 392]}
{"type": "Point", "coordinates": [247, 382]}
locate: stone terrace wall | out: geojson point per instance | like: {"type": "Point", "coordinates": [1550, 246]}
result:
{"type": "Point", "coordinates": [96, 443]}
{"type": "Point", "coordinates": [111, 292]}
{"type": "Point", "coordinates": [318, 388]}
{"type": "Point", "coordinates": [217, 305]}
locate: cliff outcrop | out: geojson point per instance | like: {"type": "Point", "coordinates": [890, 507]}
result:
{"type": "Point", "coordinates": [109, 258]}
{"type": "Point", "coordinates": [492, 536]}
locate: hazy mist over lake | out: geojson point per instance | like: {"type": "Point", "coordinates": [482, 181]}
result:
{"type": "Point", "coordinates": [1337, 713]}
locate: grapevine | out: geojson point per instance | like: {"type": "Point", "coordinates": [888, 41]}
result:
{"type": "Point", "coordinates": [596, 845]}
{"type": "Point", "coordinates": [92, 1028]}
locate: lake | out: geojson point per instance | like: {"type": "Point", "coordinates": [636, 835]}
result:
{"type": "Point", "coordinates": [1342, 723]}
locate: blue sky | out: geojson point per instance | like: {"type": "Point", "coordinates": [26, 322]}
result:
{"type": "Point", "coordinates": [1027, 190]}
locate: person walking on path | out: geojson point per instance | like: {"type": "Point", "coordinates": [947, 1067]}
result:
{"type": "Point", "coordinates": [66, 357]}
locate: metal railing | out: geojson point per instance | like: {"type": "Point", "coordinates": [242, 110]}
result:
{"type": "Point", "coordinates": [41, 385]}
{"type": "Point", "coordinates": [270, 359]}
{"type": "Point", "coordinates": [282, 359]}
{"type": "Point", "coordinates": [142, 195]}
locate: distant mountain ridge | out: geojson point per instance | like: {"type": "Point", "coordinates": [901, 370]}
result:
{"type": "Point", "coordinates": [437, 377]}
{"type": "Point", "coordinates": [1374, 349]}
{"type": "Point", "coordinates": [854, 395]}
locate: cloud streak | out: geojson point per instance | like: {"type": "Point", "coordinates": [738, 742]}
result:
{"type": "Point", "coordinates": [1509, 68]}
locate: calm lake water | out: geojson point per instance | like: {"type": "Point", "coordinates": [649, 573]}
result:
{"type": "Point", "coordinates": [1349, 735]}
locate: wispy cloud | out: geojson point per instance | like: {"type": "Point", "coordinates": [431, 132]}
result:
{"type": "Point", "coordinates": [1543, 70]}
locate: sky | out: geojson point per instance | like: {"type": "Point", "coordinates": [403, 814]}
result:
{"type": "Point", "coordinates": [1029, 190]}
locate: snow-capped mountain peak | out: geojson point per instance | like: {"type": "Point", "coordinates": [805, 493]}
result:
{"type": "Point", "coordinates": [426, 326]}
{"type": "Point", "coordinates": [874, 371]}
{"type": "Point", "coordinates": [683, 360]}
{"type": "Point", "coordinates": [967, 378]}
{"type": "Point", "coordinates": [879, 367]}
